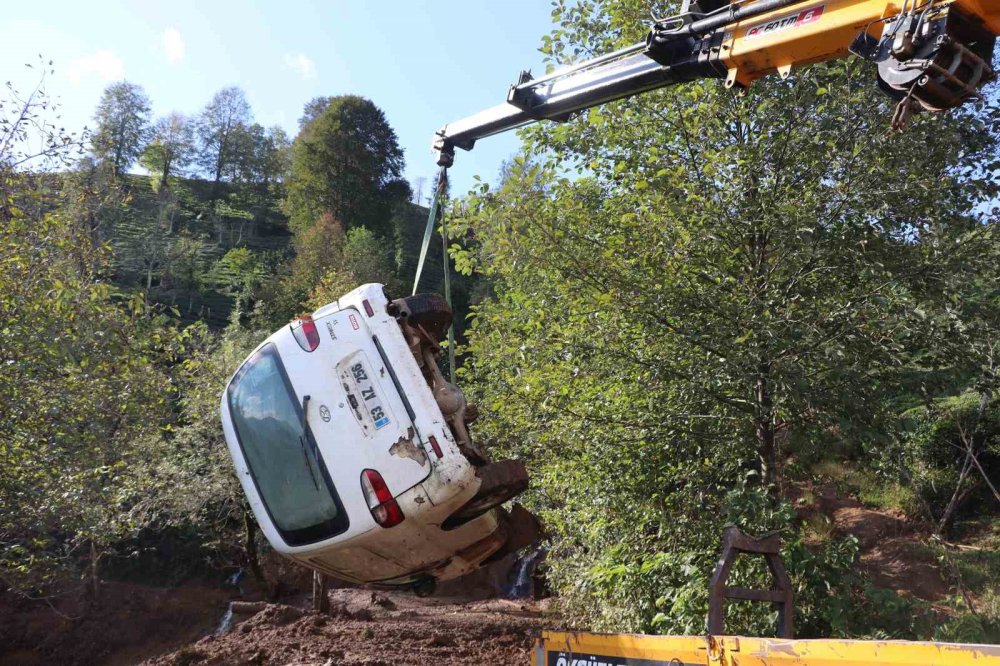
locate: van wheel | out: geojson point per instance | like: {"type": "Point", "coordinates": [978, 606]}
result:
{"type": "Point", "coordinates": [429, 310]}
{"type": "Point", "coordinates": [425, 587]}
{"type": "Point", "coordinates": [501, 481]}
{"type": "Point", "coordinates": [523, 529]}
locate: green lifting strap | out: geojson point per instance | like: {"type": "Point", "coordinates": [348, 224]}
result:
{"type": "Point", "coordinates": [429, 230]}
{"type": "Point", "coordinates": [436, 202]}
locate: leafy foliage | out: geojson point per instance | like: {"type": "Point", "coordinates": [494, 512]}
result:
{"type": "Point", "coordinates": [80, 383]}
{"type": "Point", "coordinates": [218, 127]}
{"type": "Point", "coordinates": [122, 119]}
{"type": "Point", "coordinates": [347, 163]}
{"type": "Point", "coordinates": [185, 484]}
{"type": "Point", "coordinates": [171, 149]}
{"type": "Point", "coordinates": [934, 446]}
{"type": "Point", "coordinates": [725, 282]}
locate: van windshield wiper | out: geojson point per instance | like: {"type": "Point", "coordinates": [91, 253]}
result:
{"type": "Point", "coordinates": [302, 441]}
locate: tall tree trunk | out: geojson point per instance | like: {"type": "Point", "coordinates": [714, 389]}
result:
{"type": "Point", "coordinates": [764, 428]}
{"type": "Point", "coordinates": [94, 584]}
{"type": "Point", "coordinates": [163, 176]}
{"type": "Point", "coordinates": [763, 384]}
{"type": "Point", "coordinates": [220, 162]}
{"type": "Point", "coordinates": [120, 144]}
{"type": "Point", "coordinates": [956, 496]}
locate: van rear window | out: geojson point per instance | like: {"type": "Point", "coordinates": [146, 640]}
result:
{"type": "Point", "coordinates": [284, 461]}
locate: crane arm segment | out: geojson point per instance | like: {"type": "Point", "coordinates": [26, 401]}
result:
{"type": "Point", "coordinates": [930, 54]}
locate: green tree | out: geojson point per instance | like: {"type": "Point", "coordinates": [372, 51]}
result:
{"type": "Point", "coordinates": [260, 156]}
{"type": "Point", "coordinates": [239, 273]}
{"type": "Point", "coordinates": [327, 264]}
{"type": "Point", "coordinates": [274, 156]}
{"type": "Point", "coordinates": [79, 386]}
{"type": "Point", "coordinates": [122, 119]}
{"type": "Point", "coordinates": [171, 147]}
{"type": "Point", "coordinates": [313, 109]}
{"type": "Point", "coordinates": [184, 483]}
{"type": "Point", "coordinates": [348, 163]}
{"type": "Point", "coordinates": [218, 129]}
{"type": "Point", "coordinates": [728, 276]}
{"type": "Point", "coordinates": [369, 258]}
{"type": "Point", "coordinates": [318, 250]}
{"type": "Point", "coordinates": [364, 259]}
{"type": "Point", "coordinates": [185, 265]}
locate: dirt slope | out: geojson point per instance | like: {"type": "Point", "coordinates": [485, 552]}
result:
{"type": "Point", "coordinates": [373, 628]}
{"type": "Point", "coordinates": [889, 543]}
{"type": "Point", "coordinates": [130, 623]}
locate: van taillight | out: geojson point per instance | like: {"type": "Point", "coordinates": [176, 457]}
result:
{"type": "Point", "coordinates": [368, 308]}
{"type": "Point", "coordinates": [304, 330]}
{"type": "Point", "coordinates": [435, 446]}
{"type": "Point", "coordinates": [383, 506]}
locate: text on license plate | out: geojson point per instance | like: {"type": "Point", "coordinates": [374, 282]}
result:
{"type": "Point", "coordinates": [363, 396]}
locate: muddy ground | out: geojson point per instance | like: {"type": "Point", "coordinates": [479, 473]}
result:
{"type": "Point", "coordinates": [468, 621]}
{"type": "Point", "coordinates": [136, 624]}
{"type": "Point", "coordinates": [373, 628]}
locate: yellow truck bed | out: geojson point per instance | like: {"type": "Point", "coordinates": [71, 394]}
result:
{"type": "Point", "coordinates": [585, 649]}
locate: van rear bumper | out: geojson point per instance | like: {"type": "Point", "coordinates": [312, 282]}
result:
{"type": "Point", "coordinates": [416, 547]}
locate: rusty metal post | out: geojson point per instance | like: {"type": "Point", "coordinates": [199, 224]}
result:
{"type": "Point", "coordinates": [734, 542]}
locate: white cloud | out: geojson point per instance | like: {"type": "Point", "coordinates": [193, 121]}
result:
{"type": "Point", "coordinates": [104, 64]}
{"type": "Point", "coordinates": [301, 64]}
{"type": "Point", "coordinates": [173, 44]}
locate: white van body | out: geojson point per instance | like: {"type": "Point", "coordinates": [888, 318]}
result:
{"type": "Point", "coordinates": [367, 407]}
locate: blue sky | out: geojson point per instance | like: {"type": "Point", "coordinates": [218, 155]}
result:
{"type": "Point", "coordinates": [424, 63]}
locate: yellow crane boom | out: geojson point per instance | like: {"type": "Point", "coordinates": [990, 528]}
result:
{"type": "Point", "coordinates": [929, 54]}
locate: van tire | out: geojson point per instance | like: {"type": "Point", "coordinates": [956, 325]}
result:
{"type": "Point", "coordinates": [499, 482]}
{"type": "Point", "coordinates": [523, 529]}
{"type": "Point", "coordinates": [429, 310]}
{"type": "Point", "coordinates": [424, 587]}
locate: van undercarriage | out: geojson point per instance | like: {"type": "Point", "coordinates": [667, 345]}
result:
{"type": "Point", "coordinates": [424, 320]}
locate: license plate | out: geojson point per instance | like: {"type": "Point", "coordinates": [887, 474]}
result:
{"type": "Point", "coordinates": [363, 394]}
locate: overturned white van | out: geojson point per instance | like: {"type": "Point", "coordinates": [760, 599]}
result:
{"type": "Point", "coordinates": [354, 451]}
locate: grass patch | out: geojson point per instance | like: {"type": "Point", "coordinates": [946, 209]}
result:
{"type": "Point", "coordinates": [978, 569]}
{"type": "Point", "coordinates": [981, 626]}
{"type": "Point", "coordinates": [978, 566]}
{"type": "Point", "coordinates": [868, 488]}
{"type": "Point", "coordinates": [831, 470]}
{"type": "Point", "coordinates": [882, 495]}
{"type": "Point", "coordinates": [818, 528]}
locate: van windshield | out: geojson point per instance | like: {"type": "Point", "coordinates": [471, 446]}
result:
{"type": "Point", "coordinates": [286, 466]}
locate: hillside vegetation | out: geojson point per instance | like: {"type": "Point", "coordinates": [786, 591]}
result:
{"type": "Point", "coordinates": [128, 300]}
{"type": "Point", "coordinates": [706, 304]}
{"type": "Point", "coordinates": [682, 311]}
